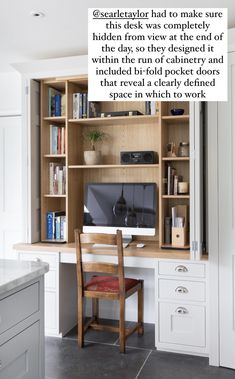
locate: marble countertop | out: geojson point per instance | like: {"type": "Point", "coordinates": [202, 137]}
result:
{"type": "Point", "coordinates": [14, 273]}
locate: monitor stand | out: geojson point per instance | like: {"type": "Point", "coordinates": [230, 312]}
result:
{"type": "Point", "coordinates": [127, 239]}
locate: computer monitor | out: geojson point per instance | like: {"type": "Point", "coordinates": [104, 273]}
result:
{"type": "Point", "coordinates": [130, 207]}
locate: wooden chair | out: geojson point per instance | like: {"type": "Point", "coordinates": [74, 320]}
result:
{"type": "Point", "coordinates": [106, 287]}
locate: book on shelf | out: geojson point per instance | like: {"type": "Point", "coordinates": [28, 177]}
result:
{"type": "Point", "coordinates": [57, 139]}
{"type": "Point", "coordinates": [82, 108]}
{"type": "Point", "coordinates": [172, 181]}
{"type": "Point", "coordinates": [56, 225]}
{"type": "Point", "coordinates": [57, 179]}
{"type": "Point", "coordinates": [56, 103]}
{"type": "Point", "coordinates": [151, 107]}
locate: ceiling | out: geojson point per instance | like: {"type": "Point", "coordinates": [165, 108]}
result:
{"type": "Point", "coordinates": [63, 30]}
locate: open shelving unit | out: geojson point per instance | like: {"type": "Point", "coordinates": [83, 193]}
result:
{"type": "Point", "coordinates": [124, 133]}
{"type": "Point", "coordinates": [173, 129]}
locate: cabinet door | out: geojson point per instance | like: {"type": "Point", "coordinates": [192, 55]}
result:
{"type": "Point", "coordinates": [10, 185]}
{"type": "Point", "coordinates": [196, 179]}
{"type": "Point", "coordinates": [182, 324]}
{"type": "Point", "coordinates": [226, 178]}
{"type": "Point", "coordinates": [20, 355]}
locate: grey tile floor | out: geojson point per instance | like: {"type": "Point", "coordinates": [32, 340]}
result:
{"type": "Point", "coordinates": [100, 358]}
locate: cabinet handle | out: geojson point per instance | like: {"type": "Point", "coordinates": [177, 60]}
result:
{"type": "Point", "coordinates": [181, 311]}
{"type": "Point", "coordinates": [181, 289]}
{"type": "Point", "coordinates": [181, 268]}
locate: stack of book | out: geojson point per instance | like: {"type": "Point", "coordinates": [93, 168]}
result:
{"type": "Point", "coordinates": [57, 139]}
{"type": "Point", "coordinates": [172, 181]}
{"type": "Point", "coordinates": [56, 103]}
{"type": "Point", "coordinates": [56, 226]}
{"type": "Point", "coordinates": [82, 108]}
{"type": "Point", "coordinates": [57, 179]}
{"type": "Point", "coordinates": [151, 107]}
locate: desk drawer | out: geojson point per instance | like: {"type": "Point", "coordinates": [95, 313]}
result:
{"type": "Point", "coordinates": [51, 259]}
{"type": "Point", "coordinates": [11, 309]}
{"type": "Point", "coordinates": [182, 324]}
{"type": "Point", "coordinates": [181, 290]}
{"type": "Point", "coordinates": [182, 269]}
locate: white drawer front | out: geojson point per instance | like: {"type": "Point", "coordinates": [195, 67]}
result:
{"type": "Point", "coordinates": [19, 356]}
{"type": "Point", "coordinates": [52, 259]}
{"type": "Point", "coordinates": [50, 280]}
{"type": "Point", "coordinates": [11, 309]}
{"type": "Point", "coordinates": [181, 290]}
{"type": "Point", "coordinates": [182, 269]}
{"type": "Point", "coordinates": [182, 324]}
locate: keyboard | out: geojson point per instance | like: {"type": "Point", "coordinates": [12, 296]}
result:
{"type": "Point", "coordinates": [105, 246]}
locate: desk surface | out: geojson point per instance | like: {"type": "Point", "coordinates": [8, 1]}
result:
{"type": "Point", "coordinates": [150, 250]}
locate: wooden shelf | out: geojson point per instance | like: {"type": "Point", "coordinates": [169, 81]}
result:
{"type": "Point", "coordinates": [176, 119]}
{"type": "Point", "coordinates": [115, 120]}
{"type": "Point", "coordinates": [48, 195]}
{"type": "Point", "coordinates": [176, 196]}
{"type": "Point", "coordinates": [115, 166]}
{"type": "Point", "coordinates": [175, 158]}
{"type": "Point", "coordinates": [169, 246]}
{"type": "Point", "coordinates": [60, 119]}
{"type": "Point", "coordinates": [54, 156]}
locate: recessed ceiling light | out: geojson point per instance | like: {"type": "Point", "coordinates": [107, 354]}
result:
{"type": "Point", "coordinates": [37, 14]}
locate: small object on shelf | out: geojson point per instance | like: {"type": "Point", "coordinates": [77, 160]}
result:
{"type": "Point", "coordinates": [119, 114]}
{"type": "Point", "coordinates": [183, 188]}
{"type": "Point", "coordinates": [183, 150]}
{"type": "Point", "coordinates": [177, 111]}
{"type": "Point", "coordinates": [140, 245]}
{"type": "Point", "coordinates": [93, 157]}
{"type": "Point", "coordinates": [171, 150]}
{"type": "Point", "coordinates": [138, 157]}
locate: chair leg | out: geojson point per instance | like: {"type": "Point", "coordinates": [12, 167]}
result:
{"type": "Point", "coordinates": [122, 331]}
{"type": "Point", "coordinates": [80, 322]}
{"type": "Point", "coordinates": [141, 309]}
{"type": "Point", "coordinates": [95, 309]}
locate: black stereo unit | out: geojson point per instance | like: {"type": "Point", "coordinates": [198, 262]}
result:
{"type": "Point", "coordinates": [138, 157]}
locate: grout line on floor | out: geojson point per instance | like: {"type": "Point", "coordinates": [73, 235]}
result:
{"type": "Point", "coordinates": [141, 368]}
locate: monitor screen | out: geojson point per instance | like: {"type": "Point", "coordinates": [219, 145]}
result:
{"type": "Point", "coordinates": [130, 207]}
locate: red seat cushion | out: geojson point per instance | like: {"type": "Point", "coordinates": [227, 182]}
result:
{"type": "Point", "coordinates": [108, 284]}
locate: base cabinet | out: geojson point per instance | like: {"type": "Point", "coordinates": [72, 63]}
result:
{"type": "Point", "coordinates": [181, 307]}
{"type": "Point", "coordinates": [60, 292]}
{"type": "Point", "coordinates": [20, 355]}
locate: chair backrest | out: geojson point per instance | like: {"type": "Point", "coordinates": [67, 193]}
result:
{"type": "Point", "coordinates": [99, 267]}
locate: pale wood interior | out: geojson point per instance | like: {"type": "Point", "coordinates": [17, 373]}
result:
{"type": "Point", "coordinates": [122, 134]}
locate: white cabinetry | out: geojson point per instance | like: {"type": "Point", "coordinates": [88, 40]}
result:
{"type": "Point", "coordinates": [60, 292]}
{"type": "Point", "coordinates": [22, 332]}
{"type": "Point", "coordinates": [181, 313]}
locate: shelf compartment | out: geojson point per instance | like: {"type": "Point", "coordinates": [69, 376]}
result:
{"type": "Point", "coordinates": [176, 159]}
{"type": "Point", "coordinates": [115, 166]}
{"type": "Point", "coordinates": [115, 120]}
{"type": "Point", "coordinates": [60, 119]}
{"type": "Point", "coordinates": [176, 196]}
{"type": "Point", "coordinates": [176, 119]}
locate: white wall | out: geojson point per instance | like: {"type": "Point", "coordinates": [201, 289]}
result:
{"type": "Point", "coordinates": [10, 93]}
{"type": "Point", "coordinates": [10, 163]}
